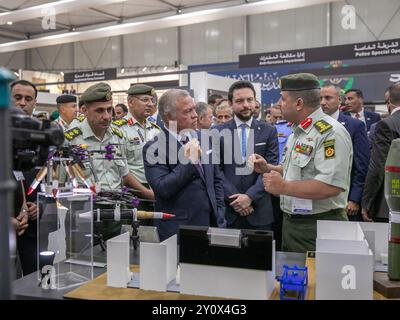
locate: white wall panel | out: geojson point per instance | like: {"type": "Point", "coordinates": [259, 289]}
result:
{"type": "Point", "coordinates": [213, 42]}
{"type": "Point", "coordinates": [290, 29]}
{"type": "Point", "coordinates": [52, 57]}
{"type": "Point", "coordinates": [151, 48]}
{"type": "Point", "coordinates": [13, 60]}
{"type": "Point", "coordinates": [100, 53]}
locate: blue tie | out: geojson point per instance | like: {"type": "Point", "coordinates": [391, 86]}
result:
{"type": "Point", "coordinates": [243, 126]}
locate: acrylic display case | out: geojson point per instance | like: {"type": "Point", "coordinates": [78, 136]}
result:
{"type": "Point", "coordinates": [65, 239]}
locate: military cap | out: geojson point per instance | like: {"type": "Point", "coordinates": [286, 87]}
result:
{"type": "Point", "coordinates": [141, 89]}
{"type": "Point", "coordinates": [98, 92]}
{"type": "Point", "coordinates": [299, 82]}
{"type": "Point", "coordinates": [66, 98]}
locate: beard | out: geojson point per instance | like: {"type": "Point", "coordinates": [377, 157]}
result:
{"type": "Point", "coordinates": [243, 117]}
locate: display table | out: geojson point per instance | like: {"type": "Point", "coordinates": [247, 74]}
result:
{"type": "Point", "coordinates": [98, 290]}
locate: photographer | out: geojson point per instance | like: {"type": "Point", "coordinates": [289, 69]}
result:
{"type": "Point", "coordinates": [23, 95]}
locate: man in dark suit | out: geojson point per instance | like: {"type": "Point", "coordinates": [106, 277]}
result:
{"type": "Point", "coordinates": [330, 102]}
{"type": "Point", "coordinates": [386, 131]}
{"type": "Point", "coordinates": [248, 205]}
{"type": "Point", "coordinates": [184, 186]}
{"type": "Point", "coordinates": [24, 95]}
{"type": "Point", "coordinates": [354, 101]}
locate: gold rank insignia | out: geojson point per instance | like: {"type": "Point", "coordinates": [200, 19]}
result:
{"type": "Point", "coordinates": [80, 117]}
{"type": "Point", "coordinates": [73, 133]}
{"type": "Point", "coordinates": [155, 125]}
{"type": "Point", "coordinates": [117, 132]}
{"type": "Point", "coordinates": [120, 122]}
{"type": "Point", "coordinates": [329, 149]}
{"type": "Point", "coordinates": [322, 126]}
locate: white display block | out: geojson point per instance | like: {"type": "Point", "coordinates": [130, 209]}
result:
{"type": "Point", "coordinates": [118, 271]}
{"type": "Point", "coordinates": [226, 282]}
{"type": "Point", "coordinates": [158, 264]}
{"type": "Point", "coordinates": [344, 262]}
{"type": "Point", "coordinates": [381, 234]}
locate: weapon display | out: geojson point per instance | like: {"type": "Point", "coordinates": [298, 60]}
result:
{"type": "Point", "coordinates": [392, 195]}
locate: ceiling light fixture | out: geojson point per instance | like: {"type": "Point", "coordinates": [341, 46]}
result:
{"type": "Point", "coordinates": [144, 69]}
{"type": "Point", "coordinates": [9, 23]}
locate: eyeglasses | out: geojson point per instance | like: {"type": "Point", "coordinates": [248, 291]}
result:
{"type": "Point", "coordinates": [146, 100]}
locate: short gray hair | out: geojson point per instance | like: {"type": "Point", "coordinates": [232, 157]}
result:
{"type": "Point", "coordinates": [223, 106]}
{"type": "Point", "coordinates": [167, 102]}
{"type": "Point", "coordinates": [201, 108]}
{"type": "Point", "coordinates": [311, 98]}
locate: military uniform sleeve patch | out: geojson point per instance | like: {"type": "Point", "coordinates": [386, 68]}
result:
{"type": "Point", "coordinates": [329, 149]}
{"type": "Point", "coordinates": [117, 132]}
{"type": "Point", "coordinates": [120, 122]}
{"type": "Point", "coordinates": [80, 118]}
{"type": "Point", "coordinates": [73, 133]}
{"type": "Point", "coordinates": [322, 126]}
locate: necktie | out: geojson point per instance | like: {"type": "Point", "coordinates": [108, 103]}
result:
{"type": "Point", "coordinates": [243, 127]}
{"type": "Point", "coordinates": [357, 115]}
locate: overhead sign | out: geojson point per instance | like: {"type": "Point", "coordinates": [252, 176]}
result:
{"type": "Point", "coordinates": [353, 51]}
{"type": "Point", "coordinates": [87, 76]}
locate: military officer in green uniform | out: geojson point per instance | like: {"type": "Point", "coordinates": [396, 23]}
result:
{"type": "Point", "coordinates": [96, 133]}
{"type": "Point", "coordinates": [314, 176]}
{"type": "Point", "coordinates": [67, 110]}
{"type": "Point", "coordinates": [138, 131]}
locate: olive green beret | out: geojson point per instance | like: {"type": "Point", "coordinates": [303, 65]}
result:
{"type": "Point", "coordinates": [98, 92]}
{"type": "Point", "coordinates": [141, 89]}
{"type": "Point", "coordinates": [299, 82]}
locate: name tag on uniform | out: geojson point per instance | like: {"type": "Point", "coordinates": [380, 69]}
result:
{"type": "Point", "coordinates": [135, 141]}
{"type": "Point", "coordinates": [301, 206]}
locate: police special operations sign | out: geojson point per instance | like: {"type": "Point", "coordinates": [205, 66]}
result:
{"type": "Point", "coordinates": [87, 76]}
{"type": "Point", "coordinates": [352, 51]}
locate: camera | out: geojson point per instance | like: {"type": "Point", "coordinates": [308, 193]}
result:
{"type": "Point", "coordinates": [32, 139]}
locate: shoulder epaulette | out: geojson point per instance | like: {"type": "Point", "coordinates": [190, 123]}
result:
{"type": "Point", "coordinates": [81, 117]}
{"type": "Point", "coordinates": [120, 122]}
{"type": "Point", "coordinates": [322, 126]}
{"type": "Point", "coordinates": [117, 132]}
{"type": "Point", "coordinates": [155, 125]}
{"type": "Point", "coordinates": [72, 133]}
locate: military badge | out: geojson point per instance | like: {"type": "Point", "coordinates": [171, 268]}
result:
{"type": "Point", "coordinates": [329, 149]}
{"type": "Point", "coordinates": [304, 148]}
{"type": "Point", "coordinates": [73, 133]}
{"type": "Point", "coordinates": [322, 126]}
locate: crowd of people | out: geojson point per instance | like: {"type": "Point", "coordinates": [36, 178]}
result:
{"type": "Point", "coordinates": [317, 154]}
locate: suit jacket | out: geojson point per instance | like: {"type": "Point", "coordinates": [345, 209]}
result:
{"type": "Point", "coordinates": [265, 143]}
{"type": "Point", "coordinates": [370, 118]}
{"type": "Point", "coordinates": [386, 131]}
{"type": "Point", "coordinates": [182, 189]}
{"type": "Point", "coordinates": [361, 155]}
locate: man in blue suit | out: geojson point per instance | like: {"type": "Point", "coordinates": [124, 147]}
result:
{"type": "Point", "coordinates": [330, 102]}
{"type": "Point", "coordinates": [354, 101]}
{"type": "Point", "coordinates": [182, 185]}
{"type": "Point", "coordinates": [248, 205]}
